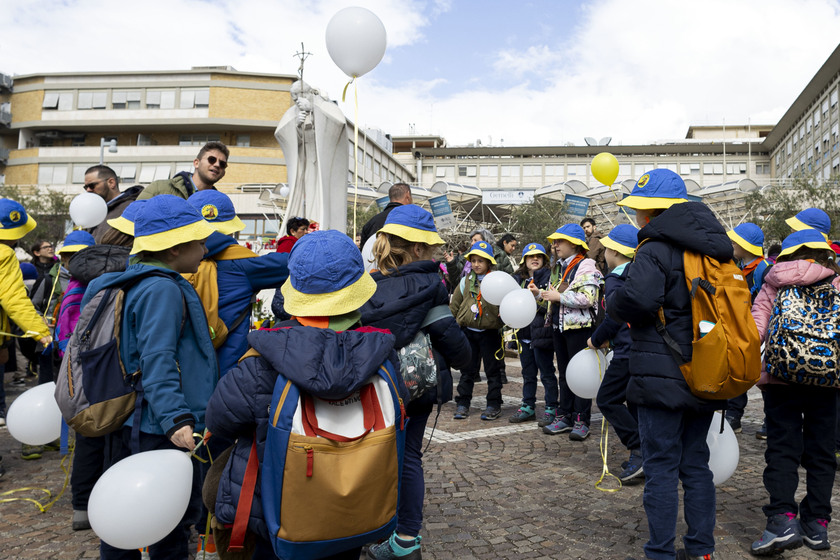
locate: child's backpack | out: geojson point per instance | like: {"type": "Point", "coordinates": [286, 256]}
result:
{"type": "Point", "coordinates": [330, 470]}
{"type": "Point", "coordinates": [726, 362]}
{"type": "Point", "coordinates": [93, 390]}
{"type": "Point", "coordinates": [803, 341]}
{"type": "Point", "coordinates": [417, 360]}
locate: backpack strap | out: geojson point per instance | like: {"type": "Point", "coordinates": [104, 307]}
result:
{"type": "Point", "coordinates": [435, 314]}
{"type": "Point", "coordinates": [373, 419]}
{"type": "Point", "coordinates": [246, 498]}
{"type": "Point", "coordinates": [243, 315]}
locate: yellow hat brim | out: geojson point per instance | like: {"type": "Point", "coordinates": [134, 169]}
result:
{"type": "Point", "coordinates": [330, 304]}
{"type": "Point", "coordinates": [532, 252]}
{"type": "Point", "coordinates": [618, 247]}
{"type": "Point", "coordinates": [569, 238]}
{"type": "Point", "coordinates": [649, 202]}
{"type": "Point", "coordinates": [166, 239]}
{"type": "Point", "coordinates": [413, 234]}
{"type": "Point", "coordinates": [72, 249]}
{"type": "Point", "coordinates": [122, 225]}
{"type": "Point", "coordinates": [811, 244]}
{"type": "Point", "coordinates": [797, 225]}
{"type": "Point", "coordinates": [481, 254]}
{"type": "Point", "coordinates": [744, 244]}
{"type": "Point", "coordinates": [20, 231]}
{"type": "Point", "coordinates": [229, 227]}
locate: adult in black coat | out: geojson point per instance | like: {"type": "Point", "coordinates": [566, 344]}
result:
{"type": "Point", "coordinates": [398, 195]}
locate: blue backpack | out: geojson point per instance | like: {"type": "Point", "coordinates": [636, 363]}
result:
{"type": "Point", "coordinates": [331, 469]}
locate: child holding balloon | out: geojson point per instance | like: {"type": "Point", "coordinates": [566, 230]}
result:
{"type": "Point", "coordinates": [620, 246]}
{"type": "Point", "coordinates": [536, 341]}
{"type": "Point", "coordinates": [480, 321]}
{"type": "Point", "coordinates": [573, 299]}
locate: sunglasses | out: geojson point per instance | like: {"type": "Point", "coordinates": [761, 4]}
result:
{"type": "Point", "coordinates": [91, 186]}
{"type": "Point", "coordinates": [213, 159]}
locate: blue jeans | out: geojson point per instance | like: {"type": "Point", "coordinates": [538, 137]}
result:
{"type": "Point", "coordinates": [533, 360]}
{"type": "Point", "coordinates": [412, 485]}
{"type": "Point", "coordinates": [674, 449]}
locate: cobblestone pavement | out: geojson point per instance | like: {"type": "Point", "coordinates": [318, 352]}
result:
{"type": "Point", "coordinates": [493, 490]}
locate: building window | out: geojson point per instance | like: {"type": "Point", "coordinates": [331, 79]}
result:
{"type": "Point", "coordinates": [736, 168]}
{"type": "Point", "coordinates": [444, 172]}
{"type": "Point", "coordinates": [489, 170]}
{"type": "Point", "coordinates": [554, 171]}
{"type": "Point", "coordinates": [243, 140]}
{"type": "Point", "coordinates": [197, 139]}
{"type": "Point", "coordinates": [466, 170]}
{"type": "Point", "coordinates": [154, 172]}
{"type": "Point", "coordinates": [125, 99]}
{"type": "Point", "coordinates": [817, 117]}
{"type": "Point", "coordinates": [510, 171]}
{"type": "Point", "coordinates": [61, 101]}
{"type": "Point", "coordinates": [52, 174]}
{"type": "Point", "coordinates": [532, 170]}
{"type": "Point", "coordinates": [762, 169]}
{"type": "Point", "coordinates": [642, 168]}
{"type": "Point", "coordinates": [712, 169]}
{"type": "Point", "coordinates": [670, 166]}
{"type": "Point", "coordinates": [577, 170]}
{"type": "Point", "coordinates": [195, 98]}
{"type": "Point", "coordinates": [160, 99]}
{"type": "Point", "coordinates": [92, 100]}
{"type": "Point", "coordinates": [834, 97]}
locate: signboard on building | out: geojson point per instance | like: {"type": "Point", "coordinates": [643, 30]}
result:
{"type": "Point", "coordinates": [442, 212]}
{"type": "Point", "coordinates": [382, 202]}
{"type": "Point", "coordinates": [576, 206]}
{"type": "Point", "coordinates": [507, 197]}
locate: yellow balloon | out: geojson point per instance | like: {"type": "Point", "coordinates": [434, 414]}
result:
{"type": "Point", "coordinates": [605, 168]}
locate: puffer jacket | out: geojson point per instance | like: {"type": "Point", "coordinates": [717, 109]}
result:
{"type": "Point", "coordinates": [655, 280]}
{"type": "Point", "coordinates": [400, 304]}
{"type": "Point", "coordinates": [465, 297]}
{"type": "Point", "coordinates": [791, 273]}
{"type": "Point", "coordinates": [578, 304]}
{"type": "Point", "coordinates": [325, 363]}
{"type": "Point", "coordinates": [540, 335]}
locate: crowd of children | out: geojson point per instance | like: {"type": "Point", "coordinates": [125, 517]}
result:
{"type": "Point", "coordinates": [185, 269]}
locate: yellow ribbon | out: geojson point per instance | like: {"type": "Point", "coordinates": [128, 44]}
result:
{"type": "Point", "coordinates": [204, 437]}
{"type": "Point", "coordinates": [355, 146]}
{"type": "Point", "coordinates": [602, 445]}
{"type": "Point", "coordinates": [65, 462]}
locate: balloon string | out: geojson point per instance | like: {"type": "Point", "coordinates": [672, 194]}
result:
{"type": "Point", "coordinates": [499, 357]}
{"type": "Point", "coordinates": [65, 466]}
{"type": "Point", "coordinates": [605, 471]}
{"type": "Point", "coordinates": [49, 300]}
{"type": "Point", "coordinates": [204, 437]}
{"type": "Point", "coordinates": [24, 335]}
{"type": "Point", "coordinates": [356, 159]}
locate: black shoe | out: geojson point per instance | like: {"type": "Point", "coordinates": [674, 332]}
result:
{"type": "Point", "coordinates": [504, 379]}
{"type": "Point", "coordinates": [762, 432]}
{"type": "Point", "coordinates": [735, 423]}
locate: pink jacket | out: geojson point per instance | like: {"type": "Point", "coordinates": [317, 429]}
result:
{"type": "Point", "coordinates": [799, 273]}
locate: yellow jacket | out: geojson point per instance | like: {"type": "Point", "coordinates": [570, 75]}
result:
{"type": "Point", "coordinates": [14, 300]}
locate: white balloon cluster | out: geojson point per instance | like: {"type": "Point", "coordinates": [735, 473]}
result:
{"type": "Point", "coordinates": [517, 306]}
{"type": "Point", "coordinates": [585, 372]}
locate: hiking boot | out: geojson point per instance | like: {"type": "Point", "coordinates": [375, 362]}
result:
{"type": "Point", "coordinates": [548, 417]}
{"type": "Point", "coordinates": [762, 431]}
{"type": "Point", "coordinates": [30, 452]}
{"type": "Point", "coordinates": [80, 520]}
{"type": "Point", "coordinates": [17, 382]}
{"type": "Point", "coordinates": [782, 533]}
{"type": "Point", "coordinates": [815, 534]}
{"type": "Point", "coordinates": [491, 413]}
{"type": "Point", "coordinates": [461, 412]}
{"type": "Point", "coordinates": [580, 431]}
{"type": "Point", "coordinates": [392, 549]}
{"type": "Point", "coordinates": [53, 446]}
{"type": "Point", "coordinates": [633, 467]}
{"type": "Point", "coordinates": [560, 425]}
{"type": "Point", "coordinates": [734, 423]}
{"type": "Point", "coordinates": [683, 555]}
{"type": "Point", "coordinates": [524, 414]}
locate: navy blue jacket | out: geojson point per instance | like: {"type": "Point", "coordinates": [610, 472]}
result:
{"type": "Point", "coordinates": [540, 335]}
{"type": "Point", "coordinates": [657, 280]}
{"type": "Point", "coordinates": [616, 331]}
{"type": "Point", "coordinates": [400, 304]}
{"type": "Point", "coordinates": [320, 361]}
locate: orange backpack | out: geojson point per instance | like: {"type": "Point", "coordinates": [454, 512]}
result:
{"type": "Point", "coordinates": [726, 361]}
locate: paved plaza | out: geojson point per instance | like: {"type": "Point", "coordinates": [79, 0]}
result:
{"type": "Point", "coordinates": [493, 490]}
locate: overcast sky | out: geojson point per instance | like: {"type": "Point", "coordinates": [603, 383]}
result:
{"type": "Point", "coordinates": [507, 73]}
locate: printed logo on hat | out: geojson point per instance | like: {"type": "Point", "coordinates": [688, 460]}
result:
{"type": "Point", "coordinates": [643, 180]}
{"type": "Point", "coordinates": [531, 247]}
{"type": "Point", "coordinates": [14, 216]}
{"type": "Point", "coordinates": [483, 245]}
{"type": "Point", "coordinates": [209, 212]}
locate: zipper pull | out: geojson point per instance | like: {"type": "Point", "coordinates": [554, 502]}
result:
{"type": "Point", "coordinates": [310, 460]}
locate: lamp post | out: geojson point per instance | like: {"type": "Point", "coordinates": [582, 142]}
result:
{"type": "Point", "coordinates": [112, 148]}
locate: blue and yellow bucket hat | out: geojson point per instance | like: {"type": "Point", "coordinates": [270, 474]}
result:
{"type": "Point", "coordinates": [125, 222]}
{"type": "Point", "coordinates": [165, 221]}
{"type": "Point", "coordinates": [533, 249]}
{"type": "Point", "coordinates": [656, 189]}
{"type": "Point", "coordinates": [623, 239]}
{"type": "Point", "coordinates": [811, 218]}
{"type": "Point", "coordinates": [412, 223]}
{"type": "Point", "coordinates": [572, 233]}
{"type": "Point", "coordinates": [749, 236]}
{"type": "Point", "coordinates": [217, 208]}
{"type": "Point", "coordinates": [14, 222]}
{"type": "Point", "coordinates": [327, 276]}
{"type": "Point", "coordinates": [76, 241]}
{"type": "Point", "coordinates": [481, 249]}
{"type": "Point", "coordinates": [804, 238]}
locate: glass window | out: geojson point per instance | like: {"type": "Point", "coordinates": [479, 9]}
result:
{"type": "Point", "coordinates": [50, 100]}
{"type": "Point", "coordinates": [184, 166]}
{"type": "Point", "coordinates": [834, 97]}
{"type": "Point", "coordinates": [52, 174]}
{"type": "Point", "coordinates": [202, 97]}
{"type": "Point", "coordinates": [79, 173]}
{"type": "Point", "coordinates": [187, 99]}
{"type": "Point", "coordinates": [160, 99]}
{"type": "Point", "coordinates": [65, 101]}
{"type": "Point", "coordinates": [125, 99]}
{"type": "Point", "coordinates": [85, 100]}
{"type": "Point", "coordinates": [817, 117]}
{"type": "Point", "coordinates": [671, 166]}
{"type": "Point", "coordinates": [554, 170]}
{"type": "Point", "coordinates": [489, 170]}
{"type": "Point", "coordinates": [642, 168]}
{"type": "Point", "coordinates": [510, 171]}
{"type": "Point", "coordinates": [128, 171]}
{"type": "Point", "coordinates": [100, 99]}
{"type": "Point", "coordinates": [147, 173]}
{"type": "Point", "coordinates": [532, 170]}
{"type": "Point", "coordinates": [162, 171]}
{"type": "Point", "coordinates": [577, 170]}
{"type": "Point", "coordinates": [243, 140]}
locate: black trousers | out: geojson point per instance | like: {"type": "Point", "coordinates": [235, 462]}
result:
{"type": "Point", "coordinates": [567, 344]}
{"type": "Point", "coordinates": [484, 345]}
{"type": "Point", "coordinates": [88, 466]}
{"type": "Point", "coordinates": [612, 396]}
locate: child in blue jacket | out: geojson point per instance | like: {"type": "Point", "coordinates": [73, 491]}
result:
{"type": "Point", "coordinates": [620, 245]}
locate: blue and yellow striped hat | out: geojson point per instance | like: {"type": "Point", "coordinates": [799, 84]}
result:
{"type": "Point", "coordinates": [412, 223]}
{"type": "Point", "coordinates": [572, 233]}
{"type": "Point", "coordinates": [533, 249]}
{"type": "Point", "coordinates": [656, 189]}
{"type": "Point", "coordinates": [76, 241]}
{"type": "Point", "coordinates": [217, 208]}
{"type": "Point", "coordinates": [481, 249]}
{"type": "Point", "coordinates": [165, 221]}
{"type": "Point", "coordinates": [125, 222]}
{"type": "Point", "coordinates": [623, 239]}
{"type": "Point", "coordinates": [749, 237]}
{"type": "Point", "coordinates": [14, 222]}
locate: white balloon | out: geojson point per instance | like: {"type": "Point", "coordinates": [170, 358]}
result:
{"type": "Point", "coordinates": [88, 210]}
{"type": "Point", "coordinates": [356, 40]}
{"type": "Point", "coordinates": [585, 371]}
{"type": "Point", "coordinates": [496, 285]}
{"type": "Point", "coordinates": [34, 417]}
{"type": "Point", "coordinates": [141, 499]}
{"type": "Point", "coordinates": [284, 191]}
{"type": "Point", "coordinates": [724, 452]}
{"type": "Point", "coordinates": [518, 308]}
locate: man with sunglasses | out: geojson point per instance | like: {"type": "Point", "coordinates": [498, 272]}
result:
{"type": "Point", "coordinates": [210, 165]}
{"type": "Point", "coordinates": [102, 180]}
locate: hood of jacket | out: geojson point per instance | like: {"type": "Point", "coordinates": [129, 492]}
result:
{"type": "Point", "coordinates": [799, 273]}
{"type": "Point", "coordinates": [126, 197]}
{"type": "Point", "coordinates": [325, 363]}
{"type": "Point", "coordinates": [218, 242]}
{"type": "Point", "coordinates": [692, 226]}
